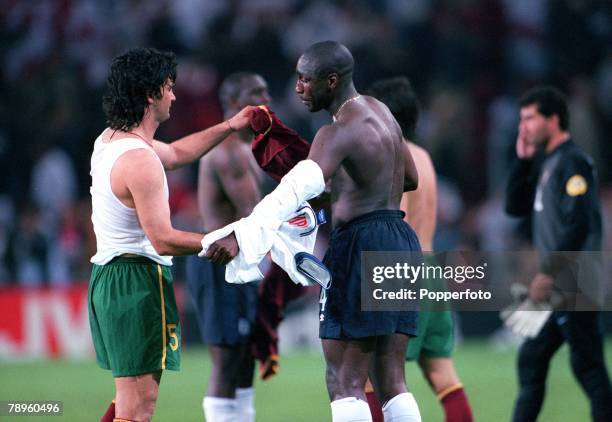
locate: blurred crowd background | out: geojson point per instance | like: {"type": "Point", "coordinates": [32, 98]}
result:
{"type": "Point", "coordinates": [469, 60]}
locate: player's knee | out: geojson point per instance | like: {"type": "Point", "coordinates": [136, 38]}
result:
{"type": "Point", "coordinates": [148, 401]}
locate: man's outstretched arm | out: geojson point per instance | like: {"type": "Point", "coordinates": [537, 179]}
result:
{"type": "Point", "coordinates": [191, 147]}
{"type": "Point", "coordinates": [305, 181]}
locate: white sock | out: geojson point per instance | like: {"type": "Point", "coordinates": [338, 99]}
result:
{"type": "Point", "coordinates": [219, 409]}
{"type": "Point", "coordinates": [350, 409]}
{"type": "Point", "coordinates": [402, 408]}
{"type": "Point", "coordinates": [245, 399]}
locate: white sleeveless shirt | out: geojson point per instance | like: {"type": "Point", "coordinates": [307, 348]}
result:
{"type": "Point", "coordinates": [116, 226]}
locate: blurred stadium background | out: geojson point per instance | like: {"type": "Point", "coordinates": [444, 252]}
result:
{"type": "Point", "coordinates": [468, 59]}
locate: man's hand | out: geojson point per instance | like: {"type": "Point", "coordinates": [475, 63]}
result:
{"type": "Point", "coordinates": [222, 251]}
{"type": "Point", "coordinates": [524, 150]}
{"type": "Point", "coordinates": [241, 119]}
{"type": "Point", "coordinates": [541, 287]}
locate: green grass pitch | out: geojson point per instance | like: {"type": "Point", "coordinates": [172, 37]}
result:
{"type": "Point", "coordinates": [298, 393]}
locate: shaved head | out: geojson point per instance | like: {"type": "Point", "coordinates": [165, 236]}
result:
{"type": "Point", "coordinates": [328, 57]}
{"type": "Point", "coordinates": [233, 85]}
{"type": "Point", "coordinates": [241, 89]}
{"type": "Point", "coordinates": [324, 75]}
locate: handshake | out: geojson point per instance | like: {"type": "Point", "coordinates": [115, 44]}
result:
{"type": "Point", "coordinates": [243, 244]}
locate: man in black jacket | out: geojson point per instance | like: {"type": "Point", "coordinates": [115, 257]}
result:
{"type": "Point", "coordinates": [559, 191]}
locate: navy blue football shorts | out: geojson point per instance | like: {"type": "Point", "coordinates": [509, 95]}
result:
{"type": "Point", "coordinates": [340, 314]}
{"type": "Point", "coordinates": [226, 312]}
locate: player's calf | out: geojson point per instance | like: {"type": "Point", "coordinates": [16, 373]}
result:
{"type": "Point", "coordinates": [136, 396]}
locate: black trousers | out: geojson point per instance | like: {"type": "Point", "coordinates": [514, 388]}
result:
{"type": "Point", "coordinates": [583, 333]}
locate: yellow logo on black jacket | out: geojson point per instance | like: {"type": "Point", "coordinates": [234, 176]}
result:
{"type": "Point", "coordinates": [576, 185]}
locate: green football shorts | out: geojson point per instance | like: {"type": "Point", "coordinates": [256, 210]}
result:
{"type": "Point", "coordinates": [435, 328]}
{"type": "Point", "coordinates": [435, 336]}
{"type": "Point", "coordinates": [133, 317]}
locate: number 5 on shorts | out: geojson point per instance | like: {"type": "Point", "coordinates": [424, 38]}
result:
{"type": "Point", "coordinates": [174, 340]}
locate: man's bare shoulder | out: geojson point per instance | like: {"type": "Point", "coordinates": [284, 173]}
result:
{"type": "Point", "coordinates": [329, 132]}
{"type": "Point", "coordinates": [373, 102]}
{"type": "Point", "coordinates": [139, 164]}
{"type": "Point", "coordinates": [422, 159]}
{"type": "Point", "coordinates": [378, 108]}
{"type": "Point", "coordinates": [139, 156]}
{"type": "Point", "coordinates": [138, 161]}
{"type": "Point", "coordinates": [355, 121]}
{"type": "Point", "coordinates": [418, 152]}
{"type": "Point", "coordinates": [377, 115]}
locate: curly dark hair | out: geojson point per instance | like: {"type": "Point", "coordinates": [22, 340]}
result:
{"type": "Point", "coordinates": [134, 76]}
